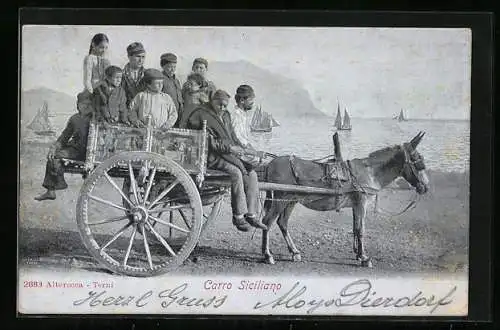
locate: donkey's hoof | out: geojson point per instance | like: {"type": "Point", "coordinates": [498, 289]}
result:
{"type": "Point", "coordinates": [358, 258]}
{"type": "Point", "coordinates": [269, 260]}
{"type": "Point", "coordinates": [296, 257]}
{"type": "Point", "coordinates": [367, 263]}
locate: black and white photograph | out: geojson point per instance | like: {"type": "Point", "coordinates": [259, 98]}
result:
{"type": "Point", "coordinates": [238, 170]}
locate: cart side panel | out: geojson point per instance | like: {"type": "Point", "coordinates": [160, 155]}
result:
{"type": "Point", "coordinates": [112, 139]}
{"type": "Point", "coordinates": [184, 146]}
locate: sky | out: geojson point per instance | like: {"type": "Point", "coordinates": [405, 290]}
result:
{"type": "Point", "coordinates": [373, 72]}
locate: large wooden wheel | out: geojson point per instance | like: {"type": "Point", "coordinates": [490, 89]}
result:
{"type": "Point", "coordinates": [211, 197]}
{"type": "Point", "coordinates": [128, 232]}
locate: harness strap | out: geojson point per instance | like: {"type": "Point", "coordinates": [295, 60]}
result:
{"type": "Point", "coordinates": [412, 204]}
{"type": "Point", "coordinates": [292, 167]}
{"type": "Point", "coordinates": [357, 186]}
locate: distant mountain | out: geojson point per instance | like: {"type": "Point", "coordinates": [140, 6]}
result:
{"type": "Point", "coordinates": [277, 94]}
{"type": "Point", "coordinates": [32, 100]}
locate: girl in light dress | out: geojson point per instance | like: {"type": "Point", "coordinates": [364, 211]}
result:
{"type": "Point", "coordinates": [95, 62]}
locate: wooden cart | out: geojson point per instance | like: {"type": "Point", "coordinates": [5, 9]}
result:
{"type": "Point", "coordinates": [147, 196]}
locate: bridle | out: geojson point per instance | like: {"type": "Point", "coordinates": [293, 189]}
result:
{"type": "Point", "coordinates": [414, 166]}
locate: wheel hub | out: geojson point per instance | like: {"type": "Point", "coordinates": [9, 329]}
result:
{"type": "Point", "coordinates": [139, 214]}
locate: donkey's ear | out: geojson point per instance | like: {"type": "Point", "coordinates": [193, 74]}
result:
{"type": "Point", "coordinates": [416, 140]}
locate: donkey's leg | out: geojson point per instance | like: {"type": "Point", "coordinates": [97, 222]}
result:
{"type": "Point", "coordinates": [268, 220]}
{"type": "Point", "coordinates": [359, 212]}
{"type": "Point", "coordinates": [283, 225]}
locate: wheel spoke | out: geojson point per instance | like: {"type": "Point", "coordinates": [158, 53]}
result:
{"type": "Point", "coordinates": [118, 234]}
{"type": "Point", "coordinates": [164, 193]}
{"type": "Point", "coordinates": [162, 241]}
{"type": "Point", "coordinates": [170, 208]}
{"type": "Point", "coordinates": [133, 183]}
{"type": "Point", "coordinates": [103, 201]}
{"type": "Point", "coordinates": [123, 217]}
{"type": "Point", "coordinates": [171, 225]}
{"type": "Point", "coordinates": [113, 183]}
{"type": "Point", "coordinates": [184, 218]}
{"type": "Point", "coordinates": [146, 247]}
{"type": "Point", "coordinates": [170, 219]}
{"type": "Point", "coordinates": [129, 248]}
{"type": "Point", "coordinates": [150, 184]}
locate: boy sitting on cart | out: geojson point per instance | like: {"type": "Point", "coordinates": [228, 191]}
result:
{"type": "Point", "coordinates": [224, 154]}
{"type": "Point", "coordinates": [153, 103]}
{"type": "Point", "coordinates": [110, 100]}
{"type": "Point", "coordinates": [71, 144]}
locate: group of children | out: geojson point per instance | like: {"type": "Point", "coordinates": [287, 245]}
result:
{"type": "Point", "coordinates": [128, 96]}
{"type": "Point", "coordinates": [133, 94]}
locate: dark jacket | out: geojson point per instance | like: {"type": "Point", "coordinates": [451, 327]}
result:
{"type": "Point", "coordinates": [219, 135]}
{"type": "Point", "coordinates": [208, 89]}
{"type": "Point", "coordinates": [132, 87]}
{"type": "Point", "coordinates": [110, 102]}
{"type": "Point", "coordinates": [172, 87]}
{"type": "Point", "coordinates": [75, 134]}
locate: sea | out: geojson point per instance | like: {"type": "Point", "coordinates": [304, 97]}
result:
{"type": "Point", "coordinates": [445, 146]}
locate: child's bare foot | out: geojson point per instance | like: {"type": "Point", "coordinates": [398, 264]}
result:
{"type": "Point", "coordinates": [48, 195]}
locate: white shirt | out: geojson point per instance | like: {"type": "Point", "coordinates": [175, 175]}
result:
{"type": "Point", "coordinates": [159, 105]}
{"type": "Point", "coordinates": [240, 121]}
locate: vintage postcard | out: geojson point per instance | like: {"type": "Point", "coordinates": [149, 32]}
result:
{"type": "Point", "coordinates": [244, 170]}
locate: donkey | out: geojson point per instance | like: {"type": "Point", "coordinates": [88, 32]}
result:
{"type": "Point", "coordinates": [368, 176]}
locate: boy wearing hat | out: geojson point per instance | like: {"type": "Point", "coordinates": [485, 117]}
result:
{"type": "Point", "coordinates": [153, 102]}
{"type": "Point", "coordinates": [171, 84]}
{"type": "Point", "coordinates": [133, 72]}
{"type": "Point", "coordinates": [71, 144]}
{"type": "Point", "coordinates": [224, 155]}
{"type": "Point", "coordinates": [200, 66]}
{"type": "Point", "coordinates": [241, 115]}
{"type": "Point", "coordinates": [110, 99]}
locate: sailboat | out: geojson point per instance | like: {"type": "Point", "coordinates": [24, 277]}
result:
{"type": "Point", "coordinates": [346, 125]}
{"type": "Point", "coordinates": [342, 125]}
{"type": "Point", "coordinates": [262, 121]}
{"type": "Point", "coordinates": [401, 116]}
{"type": "Point", "coordinates": [41, 124]}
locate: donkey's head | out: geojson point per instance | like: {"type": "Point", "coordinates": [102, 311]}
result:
{"type": "Point", "coordinates": [414, 168]}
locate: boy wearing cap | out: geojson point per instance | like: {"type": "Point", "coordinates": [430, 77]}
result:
{"type": "Point", "coordinates": [171, 84]}
{"type": "Point", "coordinates": [241, 116]}
{"type": "Point", "coordinates": [153, 102]}
{"type": "Point", "coordinates": [110, 99]}
{"type": "Point", "coordinates": [133, 72]}
{"type": "Point", "coordinates": [71, 144]}
{"type": "Point", "coordinates": [224, 154]}
{"type": "Point", "coordinates": [200, 66]}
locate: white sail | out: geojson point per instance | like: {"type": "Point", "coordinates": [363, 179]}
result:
{"type": "Point", "coordinates": [347, 121]}
{"type": "Point", "coordinates": [41, 123]}
{"type": "Point", "coordinates": [338, 119]}
{"type": "Point", "coordinates": [262, 121]}
{"type": "Point", "coordinates": [401, 116]}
